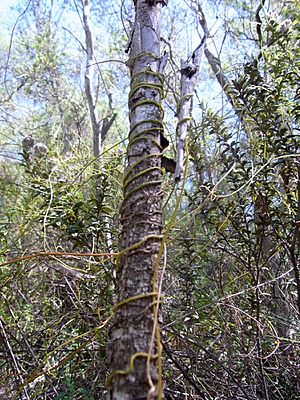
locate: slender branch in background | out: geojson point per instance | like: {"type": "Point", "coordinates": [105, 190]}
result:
{"type": "Point", "coordinates": [106, 125]}
{"type": "Point", "coordinates": [76, 38]}
{"type": "Point", "coordinates": [216, 66]}
{"type": "Point", "coordinates": [99, 135]}
{"type": "Point", "coordinates": [195, 5]}
{"type": "Point", "coordinates": [189, 75]}
{"type": "Point", "coordinates": [10, 43]}
{"type": "Point", "coordinates": [214, 61]}
{"type": "Point", "coordinates": [88, 79]}
{"type": "Point", "coordinates": [110, 61]}
{"type": "Point", "coordinates": [258, 23]}
{"type": "Point", "coordinates": [122, 18]}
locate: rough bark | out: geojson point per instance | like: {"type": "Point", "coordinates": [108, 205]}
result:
{"type": "Point", "coordinates": [141, 218]}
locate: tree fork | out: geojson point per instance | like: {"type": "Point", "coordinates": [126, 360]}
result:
{"type": "Point", "coordinates": [133, 364]}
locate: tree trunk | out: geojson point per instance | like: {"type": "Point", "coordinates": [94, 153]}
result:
{"type": "Point", "coordinates": [133, 361]}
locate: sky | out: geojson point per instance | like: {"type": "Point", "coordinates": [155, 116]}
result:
{"type": "Point", "coordinates": [7, 16]}
{"type": "Point", "coordinates": [6, 4]}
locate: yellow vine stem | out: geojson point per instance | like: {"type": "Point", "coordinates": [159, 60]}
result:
{"type": "Point", "coordinates": [58, 254]}
{"type": "Point", "coordinates": [147, 121]}
{"type": "Point", "coordinates": [156, 332]}
{"type": "Point", "coordinates": [133, 298]}
{"type": "Point", "coordinates": [183, 121]}
{"type": "Point", "coordinates": [152, 102]}
{"type": "Point", "coordinates": [128, 172]}
{"type": "Point", "coordinates": [139, 138]}
{"type": "Point", "coordinates": [148, 85]}
{"type": "Point", "coordinates": [138, 244]}
{"type": "Point", "coordinates": [35, 374]}
{"type": "Point", "coordinates": [142, 133]}
{"type": "Point", "coordinates": [135, 355]}
{"type": "Point", "coordinates": [141, 186]}
{"type": "Point", "coordinates": [131, 366]}
{"type": "Point", "coordinates": [64, 254]}
{"type": "Point", "coordinates": [149, 71]}
{"type": "Point", "coordinates": [145, 171]}
{"type": "Point", "coordinates": [127, 179]}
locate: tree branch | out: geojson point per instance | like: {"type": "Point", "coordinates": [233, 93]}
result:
{"type": "Point", "coordinates": [189, 75]}
{"type": "Point", "coordinates": [89, 76]}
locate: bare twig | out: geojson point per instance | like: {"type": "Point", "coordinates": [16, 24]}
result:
{"type": "Point", "coordinates": [11, 40]}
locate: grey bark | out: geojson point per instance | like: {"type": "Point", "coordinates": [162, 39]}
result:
{"type": "Point", "coordinates": [189, 75]}
{"type": "Point", "coordinates": [88, 79]}
{"type": "Point", "coordinates": [141, 217]}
